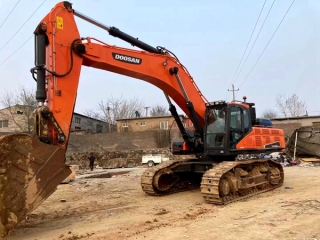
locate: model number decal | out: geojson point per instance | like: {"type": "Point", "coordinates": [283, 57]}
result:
{"type": "Point", "coordinates": [126, 58]}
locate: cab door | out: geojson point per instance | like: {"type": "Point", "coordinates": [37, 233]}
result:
{"type": "Point", "coordinates": [239, 124]}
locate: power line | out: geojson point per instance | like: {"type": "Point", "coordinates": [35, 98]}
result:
{"type": "Point", "coordinates": [248, 42]}
{"type": "Point", "coordinates": [255, 40]}
{"type": "Point", "coordinates": [268, 43]}
{"type": "Point", "coordinates": [10, 13]}
{"type": "Point", "coordinates": [22, 25]}
{"type": "Point", "coordinates": [16, 51]}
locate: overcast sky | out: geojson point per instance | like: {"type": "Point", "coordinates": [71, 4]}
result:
{"type": "Point", "coordinates": [208, 36]}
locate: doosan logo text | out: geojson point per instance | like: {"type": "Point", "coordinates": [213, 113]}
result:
{"type": "Point", "coordinates": [127, 59]}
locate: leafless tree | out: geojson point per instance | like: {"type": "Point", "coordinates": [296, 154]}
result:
{"type": "Point", "coordinates": [118, 108]}
{"type": "Point", "coordinates": [92, 114]}
{"type": "Point", "coordinates": [290, 106]}
{"type": "Point", "coordinates": [159, 110]}
{"type": "Point", "coordinates": [269, 113]}
{"type": "Point", "coordinates": [19, 106]}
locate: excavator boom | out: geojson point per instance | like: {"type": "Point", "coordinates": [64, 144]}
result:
{"type": "Point", "coordinates": [65, 53]}
{"type": "Point", "coordinates": [61, 52]}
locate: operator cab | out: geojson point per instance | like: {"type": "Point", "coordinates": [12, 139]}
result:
{"type": "Point", "coordinates": [226, 124]}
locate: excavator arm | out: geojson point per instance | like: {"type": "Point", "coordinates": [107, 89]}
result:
{"type": "Point", "coordinates": [61, 52]}
{"type": "Point", "coordinates": [31, 167]}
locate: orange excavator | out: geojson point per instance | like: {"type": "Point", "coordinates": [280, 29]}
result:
{"type": "Point", "coordinates": [31, 167]}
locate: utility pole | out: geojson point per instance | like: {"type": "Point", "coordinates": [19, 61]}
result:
{"type": "Point", "coordinates": [109, 119]}
{"type": "Point", "coordinates": [146, 111]}
{"type": "Point", "coordinates": [233, 92]}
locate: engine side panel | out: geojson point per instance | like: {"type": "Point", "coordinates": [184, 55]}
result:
{"type": "Point", "coordinates": [261, 137]}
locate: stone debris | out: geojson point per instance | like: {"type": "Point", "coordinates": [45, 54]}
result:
{"type": "Point", "coordinates": [282, 158]}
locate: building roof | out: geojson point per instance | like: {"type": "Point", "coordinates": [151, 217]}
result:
{"type": "Point", "coordinates": [294, 118]}
{"type": "Point", "coordinates": [151, 117]}
{"type": "Point", "coordinates": [81, 115]}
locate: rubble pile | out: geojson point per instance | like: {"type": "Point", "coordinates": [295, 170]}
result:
{"type": "Point", "coordinates": [309, 162]}
{"type": "Point", "coordinates": [282, 158]}
{"type": "Point", "coordinates": [285, 160]}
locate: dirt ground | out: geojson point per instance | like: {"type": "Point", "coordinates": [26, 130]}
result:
{"type": "Point", "coordinates": [116, 208]}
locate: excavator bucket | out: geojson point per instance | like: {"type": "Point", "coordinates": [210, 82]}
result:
{"type": "Point", "coordinates": [30, 171]}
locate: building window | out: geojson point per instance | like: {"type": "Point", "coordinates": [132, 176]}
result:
{"type": "Point", "coordinates": [164, 125]}
{"type": "Point", "coordinates": [89, 123]}
{"type": "Point", "coordinates": [142, 123]}
{"type": "Point", "coordinates": [125, 124]}
{"type": "Point", "coordinates": [77, 120]}
{"type": "Point", "coordinates": [4, 123]}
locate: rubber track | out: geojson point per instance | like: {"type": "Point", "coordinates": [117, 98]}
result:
{"type": "Point", "coordinates": [148, 176]}
{"type": "Point", "coordinates": [211, 179]}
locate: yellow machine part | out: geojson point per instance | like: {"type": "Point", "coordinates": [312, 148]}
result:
{"type": "Point", "coordinates": [30, 171]}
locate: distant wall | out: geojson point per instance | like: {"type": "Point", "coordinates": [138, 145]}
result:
{"type": "Point", "coordinates": [290, 124]}
{"type": "Point", "coordinates": [288, 128]}
{"type": "Point", "coordinates": [121, 141]}
{"type": "Point", "coordinates": [124, 149]}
